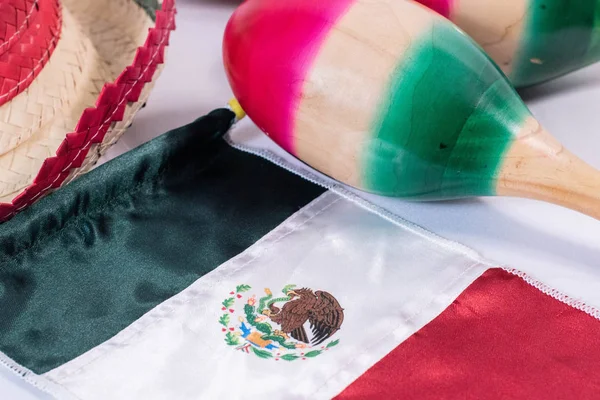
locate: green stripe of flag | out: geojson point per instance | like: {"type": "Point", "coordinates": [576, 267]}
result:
{"type": "Point", "coordinates": [82, 264]}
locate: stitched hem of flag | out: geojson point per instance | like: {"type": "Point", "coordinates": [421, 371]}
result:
{"type": "Point", "coordinates": [337, 188]}
{"type": "Point", "coordinates": [555, 294]}
{"type": "Point", "coordinates": [38, 381]}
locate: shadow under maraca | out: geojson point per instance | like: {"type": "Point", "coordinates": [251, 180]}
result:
{"type": "Point", "coordinates": [588, 77]}
{"type": "Point", "coordinates": [504, 229]}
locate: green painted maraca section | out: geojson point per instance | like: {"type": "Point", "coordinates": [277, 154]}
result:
{"type": "Point", "coordinates": [593, 54]}
{"type": "Point", "coordinates": [560, 36]}
{"type": "Point", "coordinates": [449, 117]}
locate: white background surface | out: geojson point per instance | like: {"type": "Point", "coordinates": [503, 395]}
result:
{"type": "Point", "coordinates": [558, 246]}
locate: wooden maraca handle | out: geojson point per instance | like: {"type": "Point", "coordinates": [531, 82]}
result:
{"type": "Point", "coordinates": [539, 167]}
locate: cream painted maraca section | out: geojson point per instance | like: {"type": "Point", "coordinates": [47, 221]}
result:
{"type": "Point", "coordinates": [496, 25]}
{"type": "Point", "coordinates": [347, 82]}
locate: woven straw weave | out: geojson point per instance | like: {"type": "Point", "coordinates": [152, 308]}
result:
{"type": "Point", "coordinates": [35, 123]}
{"type": "Point", "coordinates": [96, 79]}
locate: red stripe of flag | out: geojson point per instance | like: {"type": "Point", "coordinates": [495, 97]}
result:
{"type": "Point", "coordinates": [500, 339]}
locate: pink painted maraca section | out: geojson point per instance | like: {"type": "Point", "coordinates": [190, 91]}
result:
{"type": "Point", "coordinates": [443, 7]}
{"type": "Point", "coordinates": [261, 38]}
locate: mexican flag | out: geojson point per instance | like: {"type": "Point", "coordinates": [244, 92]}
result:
{"type": "Point", "coordinates": [199, 267]}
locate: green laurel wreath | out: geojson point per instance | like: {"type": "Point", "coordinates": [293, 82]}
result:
{"type": "Point", "coordinates": [231, 339]}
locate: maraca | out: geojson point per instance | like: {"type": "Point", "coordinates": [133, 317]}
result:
{"type": "Point", "coordinates": [391, 98]}
{"type": "Point", "coordinates": [531, 40]}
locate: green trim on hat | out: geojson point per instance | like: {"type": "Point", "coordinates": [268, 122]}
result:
{"type": "Point", "coordinates": [150, 6]}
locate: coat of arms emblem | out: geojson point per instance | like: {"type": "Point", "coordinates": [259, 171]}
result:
{"type": "Point", "coordinates": [299, 324]}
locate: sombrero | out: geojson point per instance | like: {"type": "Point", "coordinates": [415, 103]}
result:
{"type": "Point", "coordinates": [72, 75]}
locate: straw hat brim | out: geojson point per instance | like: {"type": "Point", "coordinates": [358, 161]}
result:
{"type": "Point", "coordinates": [98, 76]}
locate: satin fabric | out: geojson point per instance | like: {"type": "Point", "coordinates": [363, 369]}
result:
{"type": "Point", "coordinates": [500, 339]}
{"type": "Point", "coordinates": [85, 262]}
{"type": "Point", "coordinates": [389, 280]}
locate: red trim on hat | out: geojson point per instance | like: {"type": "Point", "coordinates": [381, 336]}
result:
{"type": "Point", "coordinates": [29, 32]}
{"type": "Point", "coordinates": [95, 122]}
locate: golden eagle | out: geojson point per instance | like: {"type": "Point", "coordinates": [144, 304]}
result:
{"type": "Point", "coordinates": [319, 308]}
